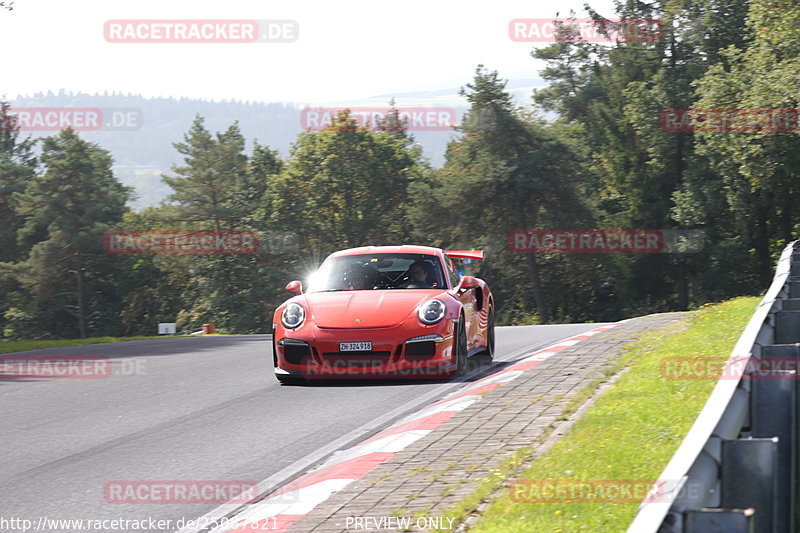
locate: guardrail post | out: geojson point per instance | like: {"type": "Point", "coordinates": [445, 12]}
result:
{"type": "Point", "coordinates": [773, 411]}
{"type": "Point", "coordinates": [718, 521]}
{"type": "Point", "coordinates": [787, 327]}
{"type": "Point", "coordinates": [791, 304]}
{"type": "Point", "coordinates": [748, 479]}
{"type": "Point", "coordinates": [794, 288]}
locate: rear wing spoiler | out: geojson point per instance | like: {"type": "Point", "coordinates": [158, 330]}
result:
{"type": "Point", "coordinates": [465, 254]}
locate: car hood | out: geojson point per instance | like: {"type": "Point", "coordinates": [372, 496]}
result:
{"type": "Point", "coordinates": [365, 309]}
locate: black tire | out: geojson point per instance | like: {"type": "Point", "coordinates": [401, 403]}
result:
{"type": "Point", "coordinates": [489, 351]}
{"type": "Point", "coordinates": [460, 348]}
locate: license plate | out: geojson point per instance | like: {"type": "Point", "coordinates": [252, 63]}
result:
{"type": "Point", "coordinates": [355, 346]}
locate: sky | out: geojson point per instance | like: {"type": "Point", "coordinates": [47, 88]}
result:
{"type": "Point", "coordinates": [344, 50]}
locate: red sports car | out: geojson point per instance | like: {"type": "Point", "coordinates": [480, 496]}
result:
{"type": "Point", "coordinates": [385, 311]}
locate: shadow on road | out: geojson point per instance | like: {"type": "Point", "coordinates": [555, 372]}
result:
{"type": "Point", "coordinates": [478, 367]}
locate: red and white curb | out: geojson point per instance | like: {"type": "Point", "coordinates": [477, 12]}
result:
{"type": "Point", "coordinates": [295, 500]}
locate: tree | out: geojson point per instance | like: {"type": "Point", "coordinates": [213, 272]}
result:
{"type": "Point", "coordinates": [218, 188]}
{"type": "Point", "coordinates": [208, 187]}
{"type": "Point", "coordinates": [17, 169]}
{"type": "Point", "coordinates": [327, 192]}
{"type": "Point", "coordinates": [756, 170]}
{"type": "Point", "coordinates": [616, 95]}
{"type": "Point", "coordinates": [68, 282]}
{"type": "Point", "coordinates": [506, 172]}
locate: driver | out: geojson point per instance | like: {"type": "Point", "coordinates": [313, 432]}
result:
{"type": "Point", "coordinates": [418, 273]}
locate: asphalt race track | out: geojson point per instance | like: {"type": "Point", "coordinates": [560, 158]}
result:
{"type": "Point", "coordinates": [190, 409]}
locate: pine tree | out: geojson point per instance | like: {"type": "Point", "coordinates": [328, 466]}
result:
{"type": "Point", "coordinates": [508, 172]}
{"type": "Point", "coordinates": [68, 279]}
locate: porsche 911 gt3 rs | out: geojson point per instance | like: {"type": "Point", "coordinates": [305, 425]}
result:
{"type": "Point", "coordinates": [387, 311]}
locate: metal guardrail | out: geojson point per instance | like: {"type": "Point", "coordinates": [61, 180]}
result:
{"type": "Point", "coordinates": [737, 469]}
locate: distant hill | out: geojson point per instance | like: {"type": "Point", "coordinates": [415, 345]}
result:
{"type": "Point", "coordinates": [142, 155]}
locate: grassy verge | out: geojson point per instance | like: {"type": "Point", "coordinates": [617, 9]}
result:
{"type": "Point", "coordinates": [626, 438]}
{"type": "Point", "coordinates": [23, 346]}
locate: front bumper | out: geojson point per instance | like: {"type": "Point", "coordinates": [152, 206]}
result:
{"type": "Point", "coordinates": [399, 352]}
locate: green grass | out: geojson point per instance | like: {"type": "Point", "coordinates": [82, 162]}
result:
{"type": "Point", "coordinates": [631, 431]}
{"type": "Point", "coordinates": [23, 346]}
{"type": "Point", "coordinates": [488, 485]}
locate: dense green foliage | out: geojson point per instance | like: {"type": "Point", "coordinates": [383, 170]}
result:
{"type": "Point", "coordinates": [606, 162]}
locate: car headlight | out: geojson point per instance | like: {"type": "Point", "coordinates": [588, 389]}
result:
{"type": "Point", "coordinates": [293, 316]}
{"type": "Point", "coordinates": [432, 312]}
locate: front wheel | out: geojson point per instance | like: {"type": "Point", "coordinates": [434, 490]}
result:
{"type": "Point", "coordinates": [490, 340]}
{"type": "Point", "coordinates": [460, 348]}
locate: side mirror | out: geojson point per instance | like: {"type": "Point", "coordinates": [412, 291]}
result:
{"type": "Point", "coordinates": [468, 282]}
{"type": "Point", "coordinates": [295, 286]}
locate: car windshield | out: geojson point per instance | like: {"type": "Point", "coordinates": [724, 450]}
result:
{"type": "Point", "coordinates": [378, 271]}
